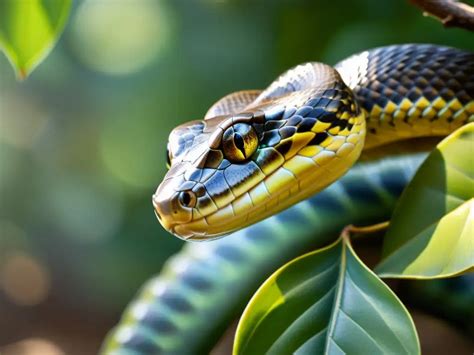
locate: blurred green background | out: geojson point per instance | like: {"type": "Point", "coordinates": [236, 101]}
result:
{"type": "Point", "coordinates": [83, 140]}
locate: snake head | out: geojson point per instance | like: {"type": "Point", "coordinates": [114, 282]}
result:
{"type": "Point", "coordinates": [230, 171]}
{"type": "Point", "coordinates": [210, 162]}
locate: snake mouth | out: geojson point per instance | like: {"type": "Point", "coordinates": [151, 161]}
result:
{"type": "Point", "coordinates": [240, 212]}
{"type": "Point", "coordinates": [226, 220]}
{"type": "Point", "coordinates": [221, 223]}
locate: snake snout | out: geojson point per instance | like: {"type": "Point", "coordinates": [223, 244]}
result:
{"type": "Point", "coordinates": [160, 213]}
{"type": "Point", "coordinates": [172, 207]}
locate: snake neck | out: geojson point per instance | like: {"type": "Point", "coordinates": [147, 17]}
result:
{"type": "Point", "coordinates": [411, 91]}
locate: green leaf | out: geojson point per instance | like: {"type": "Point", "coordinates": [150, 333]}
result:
{"type": "Point", "coordinates": [327, 302]}
{"type": "Point", "coordinates": [29, 30]}
{"type": "Point", "coordinates": [431, 234]}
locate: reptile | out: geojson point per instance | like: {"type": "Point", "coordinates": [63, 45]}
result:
{"type": "Point", "coordinates": [257, 153]}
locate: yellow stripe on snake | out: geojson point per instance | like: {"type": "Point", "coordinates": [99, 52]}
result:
{"type": "Point", "coordinates": [259, 152]}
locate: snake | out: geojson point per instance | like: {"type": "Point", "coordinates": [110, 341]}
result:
{"type": "Point", "coordinates": [272, 168]}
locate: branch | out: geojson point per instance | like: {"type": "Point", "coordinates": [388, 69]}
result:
{"type": "Point", "coordinates": [450, 12]}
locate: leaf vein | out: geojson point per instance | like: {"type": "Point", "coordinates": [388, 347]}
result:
{"type": "Point", "coordinates": [293, 324]}
{"type": "Point", "coordinates": [380, 313]}
{"type": "Point", "coordinates": [362, 329]}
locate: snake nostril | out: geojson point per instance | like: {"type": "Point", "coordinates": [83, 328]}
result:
{"type": "Point", "coordinates": [187, 198]}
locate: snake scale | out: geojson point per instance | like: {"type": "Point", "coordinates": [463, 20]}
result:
{"type": "Point", "coordinates": [257, 153]}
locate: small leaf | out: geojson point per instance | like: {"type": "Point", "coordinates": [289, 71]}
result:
{"type": "Point", "coordinates": [431, 234]}
{"type": "Point", "coordinates": [29, 30]}
{"type": "Point", "coordinates": [327, 302]}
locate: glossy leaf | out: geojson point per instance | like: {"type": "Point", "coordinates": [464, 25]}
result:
{"type": "Point", "coordinates": [29, 30]}
{"type": "Point", "coordinates": [431, 234]}
{"type": "Point", "coordinates": [327, 302]}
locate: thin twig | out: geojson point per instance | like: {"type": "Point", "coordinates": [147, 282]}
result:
{"type": "Point", "coordinates": [451, 13]}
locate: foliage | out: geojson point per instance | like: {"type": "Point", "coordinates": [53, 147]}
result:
{"type": "Point", "coordinates": [329, 302]}
{"type": "Point", "coordinates": [432, 230]}
{"type": "Point", "coordinates": [29, 30]}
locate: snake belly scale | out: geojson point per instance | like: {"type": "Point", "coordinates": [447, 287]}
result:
{"type": "Point", "coordinates": [259, 152]}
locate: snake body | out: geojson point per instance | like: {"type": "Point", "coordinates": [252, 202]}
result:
{"type": "Point", "coordinates": [259, 152]}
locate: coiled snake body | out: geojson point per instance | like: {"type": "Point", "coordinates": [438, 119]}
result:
{"type": "Point", "coordinates": [259, 152]}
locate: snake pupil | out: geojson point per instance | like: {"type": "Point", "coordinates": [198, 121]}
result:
{"type": "Point", "coordinates": [186, 198]}
{"type": "Point", "coordinates": [239, 143]}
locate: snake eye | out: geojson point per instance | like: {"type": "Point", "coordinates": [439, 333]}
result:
{"type": "Point", "coordinates": [187, 199]}
{"type": "Point", "coordinates": [239, 142]}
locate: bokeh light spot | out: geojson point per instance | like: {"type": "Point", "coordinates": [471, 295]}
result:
{"type": "Point", "coordinates": [132, 150]}
{"type": "Point", "coordinates": [33, 346]}
{"type": "Point", "coordinates": [85, 209]}
{"type": "Point", "coordinates": [24, 279]}
{"type": "Point", "coordinates": [22, 121]}
{"type": "Point", "coordinates": [120, 37]}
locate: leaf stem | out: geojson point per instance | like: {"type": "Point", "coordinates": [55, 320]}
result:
{"type": "Point", "coordinates": [374, 228]}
